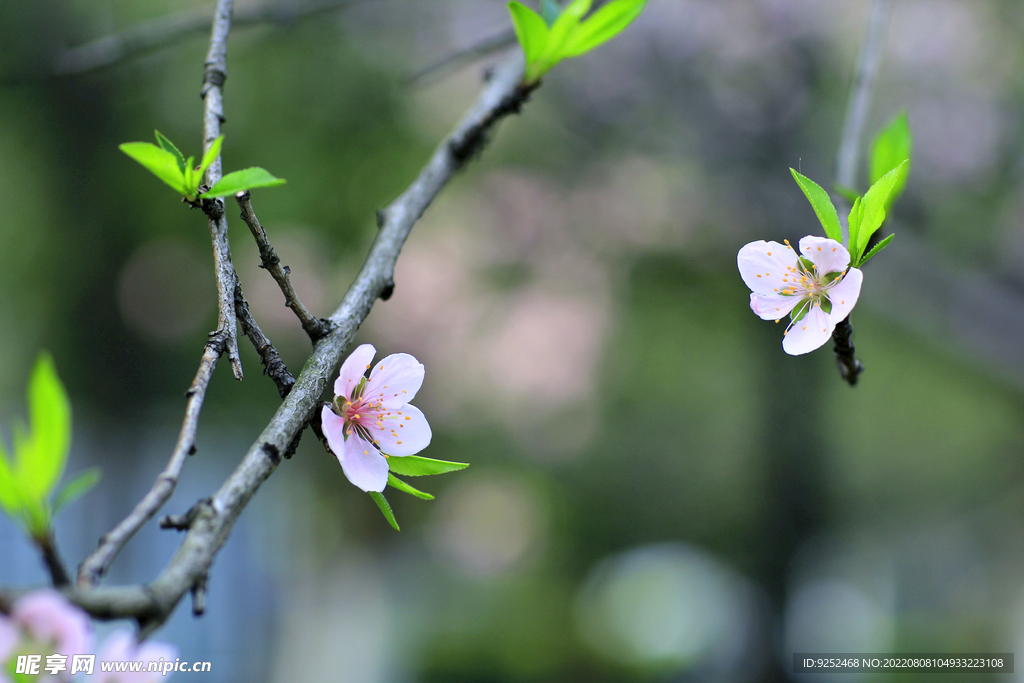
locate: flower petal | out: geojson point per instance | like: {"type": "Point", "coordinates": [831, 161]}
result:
{"type": "Point", "coordinates": [334, 431]}
{"type": "Point", "coordinates": [763, 265]}
{"type": "Point", "coordinates": [364, 465]}
{"type": "Point", "coordinates": [772, 306]}
{"type": "Point", "coordinates": [828, 255]}
{"type": "Point", "coordinates": [809, 333]}
{"type": "Point", "coordinates": [353, 368]}
{"type": "Point", "coordinates": [845, 293]}
{"type": "Point", "coordinates": [401, 432]}
{"type": "Point", "coordinates": [48, 616]}
{"type": "Point", "coordinates": [8, 638]}
{"type": "Point", "coordinates": [394, 380]}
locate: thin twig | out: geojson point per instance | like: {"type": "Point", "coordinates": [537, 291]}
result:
{"type": "Point", "coordinates": [273, 366]}
{"type": "Point", "coordinates": [169, 30]}
{"type": "Point", "coordinates": [849, 367]}
{"type": "Point", "coordinates": [859, 102]}
{"type": "Point", "coordinates": [214, 518]}
{"type": "Point", "coordinates": [223, 339]}
{"type": "Point", "coordinates": [213, 115]}
{"type": "Point", "coordinates": [313, 326]}
{"type": "Point", "coordinates": [48, 549]}
{"type": "Point", "coordinates": [455, 60]}
{"type": "Point", "coordinates": [96, 564]}
{"type": "Point", "coordinates": [861, 88]}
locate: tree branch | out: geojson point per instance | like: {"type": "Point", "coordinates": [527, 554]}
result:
{"type": "Point", "coordinates": [859, 102]}
{"type": "Point", "coordinates": [96, 564]}
{"type": "Point", "coordinates": [865, 75]}
{"type": "Point", "coordinates": [165, 31]}
{"type": "Point", "coordinates": [271, 359]}
{"type": "Point", "coordinates": [48, 549]}
{"type": "Point", "coordinates": [224, 339]}
{"type": "Point", "coordinates": [213, 115]}
{"type": "Point", "coordinates": [313, 326]}
{"type": "Point", "coordinates": [214, 518]}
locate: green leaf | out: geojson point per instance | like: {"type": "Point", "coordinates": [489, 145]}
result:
{"type": "Point", "coordinates": [602, 26]}
{"type": "Point", "coordinates": [246, 179]}
{"type": "Point", "coordinates": [416, 466]}
{"type": "Point", "coordinates": [560, 30]}
{"type": "Point", "coordinates": [872, 208]}
{"type": "Point", "coordinates": [892, 147]}
{"type": "Point", "coordinates": [845, 192]}
{"type": "Point", "coordinates": [402, 486]}
{"type": "Point", "coordinates": [874, 250]}
{"type": "Point", "coordinates": [75, 488]}
{"type": "Point", "coordinates": [853, 223]}
{"type": "Point", "coordinates": [549, 10]}
{"type": "Point", "coordinates": [41, 457]}
{"type": "Point", "coordinates": [10, 498]}
{"type": "Point", "coordinates": [159, 162]}
{"type": "Point", "coordinates": [382, 503]}
{"type": "Point", "coordinates": [169, 146]}
{"type": "Point", "coordinates": [208, 158]}
{"type": "Point", "coordinates": [191, 181]}
{"type": "Point", "coordinates": [532, 33]}
{"type": "Point", "coordinates": [822, 205]}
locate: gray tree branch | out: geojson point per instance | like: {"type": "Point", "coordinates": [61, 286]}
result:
{"type": "Point", "coordinates": [313, 326]}
{"type": "Point", "coordinates": [861, 89]}
{"type": "Point", "coordinates": [166, 31]}
{"type": "Point", "coordinates": [223, 339]}
{"type": "Point", "coordinates": [213, 518]}
{"type": "Point", "coordinates": [215, 74]}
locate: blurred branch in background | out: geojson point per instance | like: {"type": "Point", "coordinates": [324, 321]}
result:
{"type": "Point", "coordinates": [864, 77]}
{"type": "Point", "coordinates": [166, 31]}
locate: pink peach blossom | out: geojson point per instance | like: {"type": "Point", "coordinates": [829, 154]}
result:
{"type": "Point", "coordinates": [371, 420]}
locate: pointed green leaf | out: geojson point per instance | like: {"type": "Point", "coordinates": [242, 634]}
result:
{"type": "Point", "coordinates": [169, 146]}
{"type": "Point", "coordinates": [853, 224]}
{"type": "Point", "coordinates": [416, 466]}
{"type": "Point", "coordinates": [385, 508]}
{"type": "Point", "coordinates": [10, 499]}
{"type": "Point", "coordinates": [532, 33]}
{"type": "Point", "coordinates": [208, 158]}
{"type": "Point", "coordinates": [872, 209]}
{"type": "Point", "coordinates": [560, 30]}
{"type": "Point", "coordinates": [874, 250]}
{"type": "Point", "coordinates": [40, 458]}
{"type": "Point", "coordinates": [822, 206]}
{"type": "Point", "coordinates": [159, 162]}
{"type": "Point", "coordinates": [191, 180]}
{"type": "Point", "coordinates": [402, 486]}
{"type": "Point", "coordinates": [246, 179]}
{"type": "Point", "coordinates": [75, 488]}
{"type": "Point", "coordinates": [549, 10]}
{"type": "Point", "coordinates": [602, 26]}
{"type": "Point", "coordinates": [892, 147]}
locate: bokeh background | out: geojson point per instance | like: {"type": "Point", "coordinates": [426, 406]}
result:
{"type": "Point", "coordinates": [657, 492]}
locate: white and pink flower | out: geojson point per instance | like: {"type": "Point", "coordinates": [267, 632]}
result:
{"type": "Point", "coordinates": [122, 646]}
{"type": "Point", "coordinates": [816, 288]}
{"type": "Point", "coordinates": [370, 418]}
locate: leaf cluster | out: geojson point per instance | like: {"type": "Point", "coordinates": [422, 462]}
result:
{"type": "Point", "coordinates": [554, 35]}
{"type": "Point", "coordinates": [40, 452]}
{"type": "Point", "coordinates": [166, 162]}
{"type": "Point", "coordinates": [412, 466]}
{"type": "Point", "coordinates": [888, 171]}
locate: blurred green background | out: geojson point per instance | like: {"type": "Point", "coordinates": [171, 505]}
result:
{"type": "Point", "coordinates": [657, 492]}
